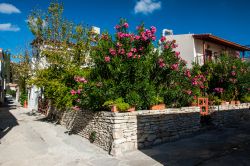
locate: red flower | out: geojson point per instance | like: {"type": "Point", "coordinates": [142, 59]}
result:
{"type": "Point", "coordinates": [175, 67]}
{"type": "Point", "coordinates": [107, 59]}
{"type": "Point", "coordinates": [125, 25]}
{"type": "Point", "coordinates": [73, 92]}
{"type": "Point", "coordinates": [112, 51]}
{"type": "Point", "coordinates": [163, 38]}
{"type": "Point", "coordinates": [153, 29]}
{"type": "Point", "coordinates": [130, 54]}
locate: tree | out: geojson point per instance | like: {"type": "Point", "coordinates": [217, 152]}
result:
{"type": "Point", "coordinates": [60, 51]}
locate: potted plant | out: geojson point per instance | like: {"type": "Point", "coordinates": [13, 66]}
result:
{"type": "Point", "coordinates": [134, 100]}
{"type": "Point", "coordinates": [157, 103]}
{"type": "Point", "coordinates": [117, 105]}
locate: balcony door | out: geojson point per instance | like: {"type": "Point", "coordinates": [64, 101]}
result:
{"type": "Point", "coordinates": [208, 55]}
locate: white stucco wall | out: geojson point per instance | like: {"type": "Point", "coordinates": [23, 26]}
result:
{"type": "Point", "coordinates": [185, 47]}
{"type": "Point", "coordinates": [33, 94]}
{"type": "Point", "coordinates": [215, 48]}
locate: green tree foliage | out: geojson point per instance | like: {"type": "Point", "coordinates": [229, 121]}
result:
{"type": "Point", "coordinates": [127, 66]}
{"type": "Point", "coordinates": [227, 77]}
{"type": "Point", "coordinates": [61, 49]}
{"type": "Point", "coordinates": [20, 70]}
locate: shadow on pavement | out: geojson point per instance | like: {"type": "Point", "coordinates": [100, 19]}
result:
{"type": "Point", "coordinates": [7, 120]}
{"type": "Point", "coordinates": [220, 146]}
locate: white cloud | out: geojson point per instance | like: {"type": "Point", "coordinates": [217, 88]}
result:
{"type": "Point", "coordinates": [9, 27]}
{"type": "Point", "coordinates": [146, 6]}
{"type": "Point", "coordinates": [7, 8]}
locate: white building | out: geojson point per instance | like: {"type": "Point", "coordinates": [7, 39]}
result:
{"type": "Point", "coordinates": [39, 61]}
{"type": "Point", "coordinates": [200, 48]}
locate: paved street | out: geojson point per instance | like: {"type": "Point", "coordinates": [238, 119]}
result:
{"type": "Point", "coordinates": [25, 140]}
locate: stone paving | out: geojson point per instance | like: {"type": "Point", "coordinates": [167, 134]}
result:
{"type": "Point", "coordinates": [25, 140]}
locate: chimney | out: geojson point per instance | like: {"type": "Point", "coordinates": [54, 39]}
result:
{"type": "Point", "coordinates": [166, 32]}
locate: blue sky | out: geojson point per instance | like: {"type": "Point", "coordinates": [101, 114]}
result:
{"type": "Point", "coordinates": [229, 19]}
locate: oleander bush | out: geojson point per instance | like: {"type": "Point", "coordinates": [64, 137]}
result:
{"type": "Point", "coordinates": [128, 66]}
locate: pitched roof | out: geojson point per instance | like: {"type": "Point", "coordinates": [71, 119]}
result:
{"type": "Point", "coordinates": [218, 40]}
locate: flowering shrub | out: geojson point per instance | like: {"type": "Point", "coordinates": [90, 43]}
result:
{"type": "Point", "coordinates": [227, 77]}
{"type": "Point", "coordinates": [127, 66]}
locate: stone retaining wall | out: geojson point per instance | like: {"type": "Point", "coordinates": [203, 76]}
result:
{"type": "Point", "coordinates": [86, 122]}
{"type": "Point", "coordinates": [121, 132]}
{"type": "Point", "coordinates": [228, 114]}
{"type": "Point", "coordinates": [150, 127]}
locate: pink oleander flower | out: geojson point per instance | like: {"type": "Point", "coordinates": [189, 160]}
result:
{"type": "Point", "coordinates": [112, 51]}
{"type": "Point", "coordinates": [218, 90]}
{"type": "Point", "coordinates": [132, 38]}
{"type": "Point", "coordinates": [139, 56]}
{"type": "Point", "coordinates": [160, 60]}
{"type": "Point", "coordinates": [174, 45]}
{"type": "Point", "coordinates": [119, 35]}
{"type": "Point", "coordinates": [76, 108]}
{"type": "Point", "coordinates": [161, 63]}
{"type": "Point", "coordinates": [175, 67]}
{"type": "Point", "coordinates": [127, 35]}
{"type": "Point", "coordinates": [166, 46]}
{"type": "Point", "coordinates": [117, 27]}
{"type": "Point", "coordinates": [121, 51]}
{"type": "Point", "coordinates": [125, 25]}
{"type": "Point", "coordinates": [141, 48]}
{"type": "Point", "coordinates": [153, 29]}
{"type": "Point", "coordinates": [137, 37]}
{"type": "Point", "coordinates": [134, 50]}
{"type": "Point", "coordinates": [177, 54]}
{"type": "Point", "coordinates": [153, 38]}
{"type": "Point", "coordinates": [148, 32]}
{"type": "Point", "coordinates": [80, 79]}
{"type": "Point", "coordinates": [143, 36]}
{"type": "Point", "coordinates": [129, 55]}
{"type": "Point", "coordinates": [79, 91]}
{"type": "Point", "coordinates": [73, 92]}
{"type": "Point", "coordinates": [107, 59]}
{"type": "Point", "coordinates": [134, 56]}
{"type": "Point", "coordinates": [187, 73]}
{"type": "Point", "coordinates": [194, 82]}
{"type": "Point", "coordinates": [163, 38]}
{"type": "Point", "coordinates": [233, 73]}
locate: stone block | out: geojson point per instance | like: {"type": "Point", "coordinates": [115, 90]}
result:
{"type": "Point", "coordinates": [151, 137]}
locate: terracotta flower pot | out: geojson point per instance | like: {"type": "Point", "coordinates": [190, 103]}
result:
{"type": "Point", "coordinates": [232, 102]}
{"type": "Point", "coordinates": [193, 104]}
{"type": "Point", "coordinates": [223, 103]}
{"type": "Point", "coordinates": [237, 102]}
{"type": "Point", "coordinates": [114, 108]}
{"type": "Point", "coordinates": [131, 109]}
{"type": "Point", "coordinates": [158, 107]}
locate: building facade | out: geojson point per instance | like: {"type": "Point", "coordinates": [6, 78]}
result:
{"type": "Point", "coordinates": [200, 48]}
